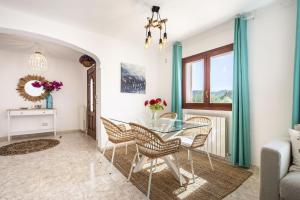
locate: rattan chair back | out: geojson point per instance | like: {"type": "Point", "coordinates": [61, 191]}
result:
{"type": "Point", "coordinates": [201, 132]}
{"type": "Point", "coordinates": [151, 144]}
{"type": "Point", "coordinates": [117, 134]}
{"type": "Point", "coordinates": [169, 115]}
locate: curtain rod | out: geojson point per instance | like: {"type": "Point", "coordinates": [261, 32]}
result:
{"type": "Point", "coordinates": [247, 16]}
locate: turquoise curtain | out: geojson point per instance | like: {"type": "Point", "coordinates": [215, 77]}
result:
{"type": "Point", "coordinates": [176, 80]}
{"type": "Point", "coordinates": [241, 154]}
{"type": "Point", "coordinates": [296, 98]}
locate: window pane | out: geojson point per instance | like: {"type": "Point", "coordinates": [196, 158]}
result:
{"type": "Point", "coordinates": [195, 82]}
{"type": "Point", "coordinates": [221, 73]}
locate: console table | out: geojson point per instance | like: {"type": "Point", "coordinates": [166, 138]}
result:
{"type": "Point", "coordinates": [30, 121]}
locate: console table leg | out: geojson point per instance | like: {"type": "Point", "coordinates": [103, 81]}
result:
{"type": "Point", "coordinates": [54, 123]}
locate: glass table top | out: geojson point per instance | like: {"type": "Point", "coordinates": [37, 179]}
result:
{"type": "Point", "coordinates": [163, 125]}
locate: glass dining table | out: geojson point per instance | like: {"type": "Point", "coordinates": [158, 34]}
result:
{"type": "Point", "coordinates": [162, 126]}
{"type": "Point", "coordinates": [166, 129]}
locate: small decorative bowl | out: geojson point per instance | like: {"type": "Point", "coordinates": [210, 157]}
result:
{"type": "Point", "coordinates": [37, 106]}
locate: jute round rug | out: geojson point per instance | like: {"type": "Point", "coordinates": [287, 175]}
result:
{"type": "Point", "coordinates": [26, 147]}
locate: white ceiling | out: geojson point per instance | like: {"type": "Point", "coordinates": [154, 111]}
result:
{"type": "Point", "coordinates": [125, 19]}
{"type": "Point", "coordinates": [29, 45]}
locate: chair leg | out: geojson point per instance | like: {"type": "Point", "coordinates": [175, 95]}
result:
{"type": "Point", "coordinates": [149, 182]}
{"type": "Point", "coordinates": [138, 153]}
{"type": "Point", "coordinates": [131, 169]}
{"type": "Point", "coordinates": [210, 160]}
{"type": "Point", "coordinates": [113, 155]}
{"type": "Point", "coordinates": [155, 164]}
{"type": "Point", "coordinates": [126, 148]}
{"type": "Point", "coordinates": [178, 168]}
{"type": "Point", "coordinates": [190, 157]}
{"type": "Point", "coordinates": [105, 147]}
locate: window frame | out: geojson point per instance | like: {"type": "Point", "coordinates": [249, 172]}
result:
{"type": "Point", "coordinates": [206, 57]}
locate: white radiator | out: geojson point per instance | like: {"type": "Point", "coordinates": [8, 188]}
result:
{"type": "Point", "coordinates": [216, 141]}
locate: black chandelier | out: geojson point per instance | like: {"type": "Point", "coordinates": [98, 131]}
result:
{"type": "Point", "coordinates": [156, 22]}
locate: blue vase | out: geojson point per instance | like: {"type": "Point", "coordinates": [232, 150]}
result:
{"type": "Point", "coordinates": [49, 102]}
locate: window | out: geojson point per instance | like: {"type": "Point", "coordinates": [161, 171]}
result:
{"type": "Point", "coordinates": [208, 79]}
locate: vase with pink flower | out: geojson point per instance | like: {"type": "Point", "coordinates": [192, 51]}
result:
{"type": "Point", "coordinates": [154, 106]}
{"type": "Point", "coordinates": [49, 87]}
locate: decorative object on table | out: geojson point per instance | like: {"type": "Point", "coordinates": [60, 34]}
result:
{"type": "Point", "coordinates": [28, 92]}
{"type": "Point", "coordinates": [38, 106]}
{"type": "Point", "coordinates": [132, 79]}
{"type": "Point", "coordinates": [156, 22]}
{"type": "Point", "coordinates": [26, 147]}
{"type": "Point", "coordinates": [38, 62]}
{"type": "Point", "coordinates": [155, 105]}
{"type": "Point", "coordinates": [49, 87]}
{"type": "Point", "coordinates": [87, 61]}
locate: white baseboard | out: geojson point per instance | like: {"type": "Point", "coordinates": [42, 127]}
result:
{"type": "Point", "coordinates": [4, 138]}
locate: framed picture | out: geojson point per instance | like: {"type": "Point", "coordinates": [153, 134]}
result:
{"type": "Point", "coordinates": [133, 79]}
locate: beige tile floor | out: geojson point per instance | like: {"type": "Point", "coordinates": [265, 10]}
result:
{"type": "Point", "coordinates": [73, 170]}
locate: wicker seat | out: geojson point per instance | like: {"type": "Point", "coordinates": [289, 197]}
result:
{"type": "Point", "coordinates": [169, 115]}
{"type": "Point", "coordinates": [152, 146]}
{"type": "Point", "coordinates": [194, 138]}
{"type": "Point", "coordinates": [116, 134]}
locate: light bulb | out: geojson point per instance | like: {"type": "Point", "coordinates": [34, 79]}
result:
{"type": "Point", "coordinates": [160, 44]}
{"type": "Point", "coordinates": [149, 37]}
{"type": "Point", "coordinates": [146, 43]}
{"type": "Point", "coordinates": [165, 39]}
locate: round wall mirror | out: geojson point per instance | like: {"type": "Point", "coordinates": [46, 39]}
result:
{"type": "Point", "coordinates": [33, 91]}
{"type": "Point", "coordinates": [28, 92]}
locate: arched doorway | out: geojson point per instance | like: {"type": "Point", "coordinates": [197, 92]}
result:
{"type": "Point", "coordinates": [71, 46]}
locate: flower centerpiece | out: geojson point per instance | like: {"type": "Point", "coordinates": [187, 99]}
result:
{"type": "Point", "coordinates": [49, 87]}
{"type": "Point", "coordinates": [155, 105]}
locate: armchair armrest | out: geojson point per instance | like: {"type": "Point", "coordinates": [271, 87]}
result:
{"type": "Point", "coordinates": [275, 162]}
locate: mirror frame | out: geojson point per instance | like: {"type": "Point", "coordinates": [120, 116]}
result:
{"type": "Point", "coordinates": [24, 94]}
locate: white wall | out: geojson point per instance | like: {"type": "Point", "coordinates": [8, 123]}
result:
{"type": "Point", "coordinates": [109, 51]}
{"type": "Point", "coordinates": [14, 65]}
{"type": "Point", "coordinates": [271, 39]}
{"type": "Point", "coordinates": [271, 58]}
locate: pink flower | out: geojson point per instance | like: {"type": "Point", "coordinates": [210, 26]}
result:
{"type": "Point", "coordinates": [36, 84]}
{"type": "Point", "coordinates": [146, 103]}
{"type": "Point", "coordinates": [48, 86]}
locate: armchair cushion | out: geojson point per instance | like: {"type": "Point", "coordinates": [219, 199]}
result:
{"type": "Point", "coordinates": [295, 140]}
{"type": "Point", "coordinates": [290, 186]}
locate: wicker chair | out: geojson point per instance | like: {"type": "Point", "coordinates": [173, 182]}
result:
{"type": "Point", "coordinates": [194, 138]}
{"type": "Point", "coordinates": [169, 115]}
{"type": "Point", "coordinates": [152, 146]}
{"type": "Point", "coordinates": [116, 134]}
